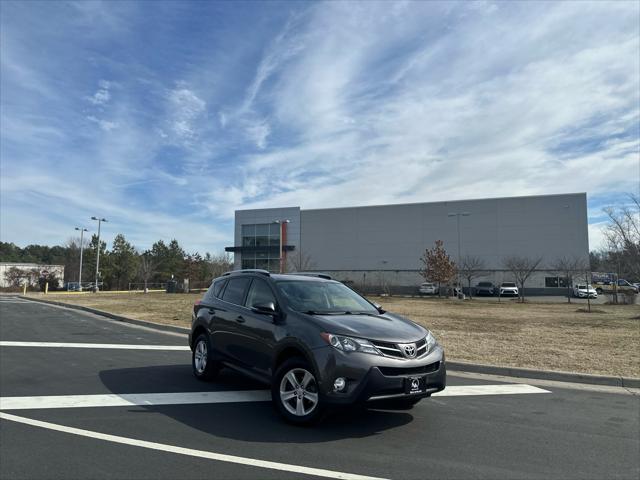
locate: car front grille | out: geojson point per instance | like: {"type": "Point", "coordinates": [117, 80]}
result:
{"type": "Point", "coordinates": [399, 371]}
{"type": "Point", "coordinates": [392, 350]}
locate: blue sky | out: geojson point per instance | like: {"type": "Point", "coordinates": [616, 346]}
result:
{"type": "Point", "coordinates": [165, 117]}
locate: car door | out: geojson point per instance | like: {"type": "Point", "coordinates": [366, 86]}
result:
{"type": "Point", "coordinates": [259, 329]}
{"type": "Point", "coordinates": [228, 320]}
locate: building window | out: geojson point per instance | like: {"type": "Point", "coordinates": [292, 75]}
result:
{"type": "Point", "coordinates": [261, 235]}
{"type": "Point", "coordinates": [556, 282]}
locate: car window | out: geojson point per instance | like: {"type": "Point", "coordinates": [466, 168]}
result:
{"type": "Point", "coordinates": [508, 284]}
{"type": "Point", "coordinates": [259, 294]}
{"type": "Point", "coordinates": [328, 297]}
{"type": "Point", "coordinates": [214, 290]}
{"type": "Point", "coordinates": [234, 293]}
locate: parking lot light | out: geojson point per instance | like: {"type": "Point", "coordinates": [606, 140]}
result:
{"type": "Point", "coordinates": [99, 220]}
{"type": "Point", "coordinates": [82, 230]}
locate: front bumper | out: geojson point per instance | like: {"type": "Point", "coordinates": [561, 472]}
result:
{"type": "Point", "coordinates": [373, 377]}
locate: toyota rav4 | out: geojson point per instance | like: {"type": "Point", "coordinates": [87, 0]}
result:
{"type": "Point", "coordinates": [315, 341]}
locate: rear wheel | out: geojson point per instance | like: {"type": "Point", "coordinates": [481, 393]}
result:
{"type": "Point", "coordinates": [295, 392]}
{"type": "Point", "coordinates": [202, 361]}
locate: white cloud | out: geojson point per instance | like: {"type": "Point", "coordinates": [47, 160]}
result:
{"type": "Point", "coordinates": [186, 110]}
{"type": "Point", "coordinates": [480, 108]}
{"type": "Point", "coordinates": [102, 95]}
{"type": "Point", "coordinates": [597, 238]}
{"type": "Point", "coordinates": [105, 125]}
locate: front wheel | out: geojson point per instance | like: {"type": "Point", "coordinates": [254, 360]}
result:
{"type": "Point", "coordinates": [202, 361]}
{"type": "Point", "coordinates": [295, 392]}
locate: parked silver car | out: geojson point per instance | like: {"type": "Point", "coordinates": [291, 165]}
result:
{"type": "Point", "coordinates": [584, 291]}
{"type": "Point", "coordinates": [428, 288]}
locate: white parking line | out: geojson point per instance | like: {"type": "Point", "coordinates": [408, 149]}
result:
{"type": "Point", "coordinates": [93, 345]}
{"type": "Point", "coordinates": [298, 469]}
{"type": "Point", "coordinates": [190, 398]}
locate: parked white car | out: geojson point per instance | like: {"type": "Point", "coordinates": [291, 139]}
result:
{"type": "Point", "coordinates": [428, 288]}
{"type": "Point", "coordinates": [508, 288]}
{"type": "Point", "coordinates": [584, 291]}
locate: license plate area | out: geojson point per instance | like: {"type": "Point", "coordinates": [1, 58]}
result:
{"type": "Point", "coordinates": [414, 385]}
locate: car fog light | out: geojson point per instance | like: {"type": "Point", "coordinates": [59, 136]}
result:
{"type": "Point", "coordinates": [339, 384]}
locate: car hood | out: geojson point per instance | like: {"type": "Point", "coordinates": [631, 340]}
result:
{"type": "Point", "coordinates": [385, 327]}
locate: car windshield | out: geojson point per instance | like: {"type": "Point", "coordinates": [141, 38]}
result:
{"type": "Point", "coordinates": [323, 297]}
{"type": "Point", "coordinates": [582, 287]}
{"type": "Point", "coordinates": [508, 284]}
{"type": "Point", "coordinates": [484, 284]}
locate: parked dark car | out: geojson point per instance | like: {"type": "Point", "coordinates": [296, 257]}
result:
{"type": "Point", "coordinates": [316, 342]}
{"type": "Point", "coordinates": [485, 288]}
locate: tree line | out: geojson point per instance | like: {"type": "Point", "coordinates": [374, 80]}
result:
{"type": "Point", "coordinates": [123, 264]}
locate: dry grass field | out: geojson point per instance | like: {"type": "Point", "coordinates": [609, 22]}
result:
{"type": "Point", "coordinates": [550, 336]}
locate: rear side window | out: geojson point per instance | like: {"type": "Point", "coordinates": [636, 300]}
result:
{"type": "Point", "coordinates": [217, 288]}
{"type": "Point", "coordinates": [214, 290]}
{"type": "Point", "coordinates": [234, 293]}
{"type": "Point", "coordinates": [259, 294]}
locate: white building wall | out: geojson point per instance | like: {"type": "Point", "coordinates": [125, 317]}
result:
{"type": "Point", "coordinates": [32, 272]}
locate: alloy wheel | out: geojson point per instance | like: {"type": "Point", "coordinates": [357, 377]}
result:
{"type": "Point", "coordinates": [299, 392]}
{"type": "Point", "coordinates": [200, 357]}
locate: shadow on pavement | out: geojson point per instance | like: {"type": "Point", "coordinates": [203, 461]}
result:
{"type": "Point", "coordinates": [251, 422]}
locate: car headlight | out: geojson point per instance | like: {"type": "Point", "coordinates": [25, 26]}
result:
{"type": "Point", "coordinates": [431, 342]}
{"type": "Point", "coordinates": [350, 344]}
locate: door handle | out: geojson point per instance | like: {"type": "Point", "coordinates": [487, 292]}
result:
{"type": "Point", "coordinates": [212, 310]}
{"type": "Point", "coordinates": [240, 319]}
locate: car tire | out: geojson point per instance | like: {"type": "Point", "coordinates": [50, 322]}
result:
{"type": "Point", "coordinates": [202, 359]}
{"type": "Point", "coordinates": [295, 392]}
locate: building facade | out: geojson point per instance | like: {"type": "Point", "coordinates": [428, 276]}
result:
{"type": "Point", "coordinates": [12, 273]}
{"type": "Point", "coordinates": [379, 247]}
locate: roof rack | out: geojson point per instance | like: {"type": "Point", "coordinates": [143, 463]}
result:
{"type": "Point", "coordinates": [248, 270]}
{"type": "Point", "coordinates": [326, 276]}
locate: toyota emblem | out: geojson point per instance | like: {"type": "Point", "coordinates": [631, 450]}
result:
{"type": "Point", "coordinates": [409, 350]}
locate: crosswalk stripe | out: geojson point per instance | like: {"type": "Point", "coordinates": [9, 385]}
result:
{"type": "Point", "coordinates": [120, 346]}
{"type": "Point", "coordinates": [190, 398]}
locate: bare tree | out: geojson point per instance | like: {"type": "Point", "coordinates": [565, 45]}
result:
{"type": "Point", "coordinates": [470, 268]}
{"type": "Point", "coordinates": [14, 275]}
{"type": "Point", "coordinates": [300, 262]}
{"type": "Point", "coordinates": [437, 265]}
{"type": "Point", "coordinates": [147, 266]}
{"type": "Point", "coordinates": [623, 235]}
{"type": "Point", "coordinates": [569, 268]}
{"type": "Point", "coordinates": [219, 264]}
{"type": "Point", "coordinates": [522, 268]}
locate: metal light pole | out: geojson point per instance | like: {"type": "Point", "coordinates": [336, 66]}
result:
{"type": "Point", "coordinates": [99, 220]}
{"type": "Point", "coordinates": [281, 223]}
{"type": "Point", "coordinates": [458, 215]}
{"type": "Point", "coordinates": [82, 230]}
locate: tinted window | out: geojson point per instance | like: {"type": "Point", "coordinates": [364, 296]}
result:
{"type": "Point", "coordinates": [259, 294]}
{"type": "Point", "coordinates": [323, 297]}
{"type": "Point", "coordinates": [508, 284]}
{"type": "Point", "coordinates": [484, 284]}
{"type": "Point", "coordinates": [217, 288]}
{"type": "Point", "coordinates": [234, 293]}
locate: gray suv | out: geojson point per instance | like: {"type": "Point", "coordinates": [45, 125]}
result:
{"type": "Point", "coordinates": [315, 341]}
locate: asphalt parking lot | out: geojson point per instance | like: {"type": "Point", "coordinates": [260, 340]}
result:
{"type": "Point", "coordinates": [127, 406]}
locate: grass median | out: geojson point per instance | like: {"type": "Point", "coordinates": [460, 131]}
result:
{"type": "Point", "coordinates": [547, 336]}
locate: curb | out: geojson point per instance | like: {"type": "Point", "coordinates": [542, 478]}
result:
{"type": "Point", "coordinates": [545, 374]}
{"type": "Point", "coordinates": [119, 318]}
{"type": "Point", "coordinates": [459, 366]}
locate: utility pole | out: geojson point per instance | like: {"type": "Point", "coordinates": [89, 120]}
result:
{"type": "Point", "coordinates": [458, 215]}
{"type": "Point", "coordinates": [82, 230]}
{"type": "Point", "coordinates": [99, 220]}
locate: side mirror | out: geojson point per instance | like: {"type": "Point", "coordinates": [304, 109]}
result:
{"type": "Point", "coordinates": [268, 308]}
{"type": "Point", "coordinates": [379, 307]}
